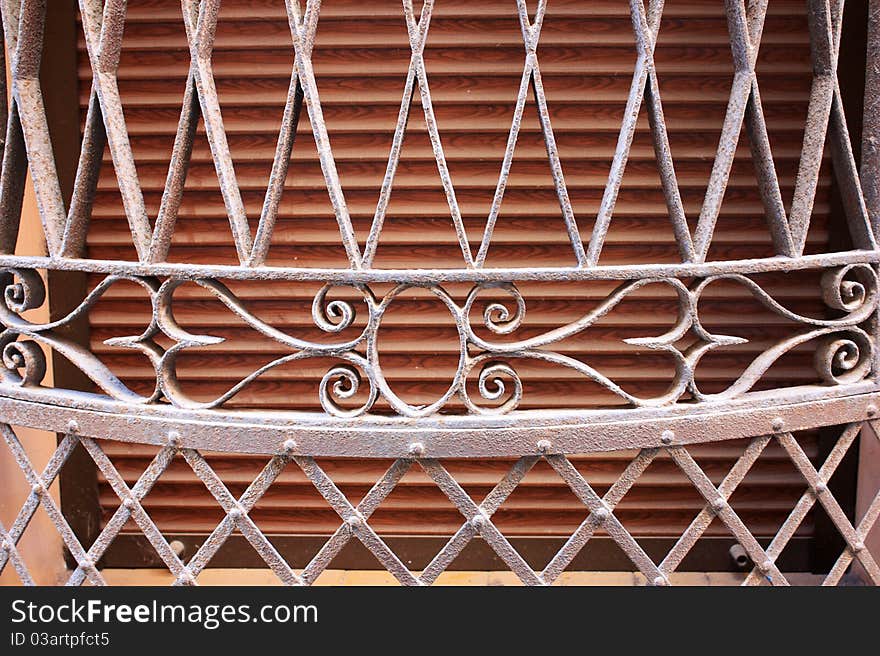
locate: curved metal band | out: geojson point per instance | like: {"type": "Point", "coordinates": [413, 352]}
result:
{"type": "Point", "coordinates": [318, 435]}
{"type": "Point", "coordinates": [190, 271]}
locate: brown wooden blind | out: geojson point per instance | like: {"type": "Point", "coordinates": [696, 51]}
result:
{"type": "Point", "coordinates": [474, 60]}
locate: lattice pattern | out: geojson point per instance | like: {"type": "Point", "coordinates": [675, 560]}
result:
{"type": "Point", "coordinates": [104, 23]}
{"type": "Point", "coordinates": [849, 283]}
{"type": "Point", "coordinates": [477, 517]}
{"type": "Point", "coordinates": [844, 338]}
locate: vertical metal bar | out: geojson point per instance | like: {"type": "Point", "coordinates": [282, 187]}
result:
{"type": "Point", "coordinates": [870, 165]}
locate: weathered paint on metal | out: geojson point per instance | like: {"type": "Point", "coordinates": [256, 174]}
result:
{"type": "Point", "coordinates": [846, 391]}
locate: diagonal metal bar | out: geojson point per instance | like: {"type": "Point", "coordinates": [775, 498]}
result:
{"type": "Point", "coordinates": [366, 507]}
{"type": "Point", "coordinates": [645, 86]}
{"type": "Point", "coordinates": [497, 496]}
{"type": "Point", "coordinates": [805, 503]}
{"type": "Point", "coordinates": [131, 504]}
{"type": "Point", "coordinates": [50, 472]}
{"type": "Point", "coordinates": [584, 491]}
{"type": "Point", "coordinates": [825, 46]}
{"type": "Point", "coordinates": [819, 485]}
{"type": "Point", "coordinates": [40, 495]}
{"type": "Point", "coordinates": [284, 146]}
{"type": "Point", "coordinates": [704, 518]}
{"type": "Point", "coordinates": [200, 21]}
{"type": "Point", "coordinates": [745, 40]}
{"type": "Point", "coordinates": [565, 206]}
{"type": "Point", "coordinates": [237, 516]}
{"type": "Point", "coordinates": [421, 75]}
{"type": "Point", "coordinates": [870, 137]}
{"type": "Point", "coordinates": [531, 76]}
{"type": "Point", "coordinates": [765, 171]}
{"type": "Point", "coordinates": [357, 523]}
{"type": "Point", "coordinates": [111, 529]}
{"type": "Point", "coordinates": [859, 550]}
{"type": "Point", "coordinates": [10, 553]}
{"type": "Point", "coordinates": [726, 514]}
{"type": "Point", "coordinates": [103, 27]}
{"type": "Point", "coordinates": [175, 181]}
{"type": "Point", "coordinates": [468, 531]}
{"type": "Point", "coordinates": [88, 170]}
{"type": "Point", "coordinates": [14, 164]}
{"type": "Point", "coordinates": [847, 175]}
{"type": "Point", "coordinates": [12, 180]}
{"type": "Point", "coordinates": [595, 519]}
{"type": "Point", "coordinates": [224, 529]}
{"type": "Point", "coordinates": [646, 42]}
{"type": "Point", "coordinates": [23, 25]}
{"type": "Point", "coordinates": [181, 152]}
{"type": "Point", "coordinates": [480, 521]}
{"type": "Point", "coordinates": [416, 49]}
{"type": "Point", "coordinates": [319, 129]}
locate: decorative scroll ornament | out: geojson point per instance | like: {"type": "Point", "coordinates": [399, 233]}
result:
{"type": "Point", "coordinates": [844, 351]}
{"type": "Point", "coordinates": [24, 290]}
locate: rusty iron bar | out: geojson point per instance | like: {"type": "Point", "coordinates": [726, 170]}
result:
{"type": "Point", "coordinates": [355, 519]}
{"type": "Point", "coordinates": [845, 392]}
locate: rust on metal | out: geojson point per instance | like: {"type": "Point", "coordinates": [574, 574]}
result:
{"type": "Point", "coordinates": [361, 415]}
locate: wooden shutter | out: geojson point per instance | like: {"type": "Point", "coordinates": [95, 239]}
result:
{"type": "Point", "coordinates": [474, 60]}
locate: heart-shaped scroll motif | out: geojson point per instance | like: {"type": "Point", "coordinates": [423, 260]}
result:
{"type": "Point", "coordinates": [843, 357]}
{"type": "Point", "coordinates": [24, 290]}
{"type": "Point", "coordinates": [331, 316]}
{"type": "Point", "coordinates": [844, 352]}
{"type": "Point", "coordinates": [360, 355]}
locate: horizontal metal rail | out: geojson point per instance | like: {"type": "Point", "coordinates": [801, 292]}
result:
{"type": "Point", "coordinates": [480, 415]}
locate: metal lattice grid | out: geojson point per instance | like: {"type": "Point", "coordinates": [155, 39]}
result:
{"type": "Point", "coordinates": [476, 517]}
{"type": "Point", "coordinates": [844, 338]}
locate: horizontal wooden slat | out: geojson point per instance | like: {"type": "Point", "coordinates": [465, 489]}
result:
{"type": "Point", "coordinates": [474, 57]}
{"type": "Point", "coordinates": [242, 10]}
{"type": "Point", "coordinates": [391, 58]}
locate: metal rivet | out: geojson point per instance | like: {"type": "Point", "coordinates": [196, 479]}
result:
{"type": "Point", "coordinates": [289, 446]}
{"type": "Point", "coordinates": [354, 520]}
{"type": "Point", "coordinates": [478, 521]}
{"type": "Point", "coordinates": [86, 563]}
{"type": "Point", "coordinates": [235, 513]}
{"type": "Point", "coordinates": [544, 446]}
{"type": "Point", "coordinates": [177, 547]}
{"type": "Point", "coordinates": [37, 488]}
{"type": "Point", "coordinates": [173, 438]}
{"type": "Point", "coordinates": [128, 503]}
{"type": "Point", "coordinates": [660, 581]}
{"type": "Point", "coordinates": [601, 514]}
{"type": "Point", "coordinates": [72, 426]}
{"type": "Point", "coordinates": [858, 546]}
{"type": "Point", "coordinates": [718, 504]}
{"type": "Point", "coordinates": [821, 488]}
{"type": "Point", "coordinates": [871, 410]}
{"type": "Point", "coordinates": [766, 566]}
{"type": "Point", "coordinates": [777, 424]}
{"type": "Point", "coordinates": [667, 436]}
{"type": "Point", "coordinates": [417, 449]}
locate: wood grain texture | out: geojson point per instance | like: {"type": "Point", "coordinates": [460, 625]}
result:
{"type": "Point", "coordinates": [474, 57]}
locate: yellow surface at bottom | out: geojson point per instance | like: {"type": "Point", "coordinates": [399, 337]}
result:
{"type": "Point", "coordinates": [369, 577]}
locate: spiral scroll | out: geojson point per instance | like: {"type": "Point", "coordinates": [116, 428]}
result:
{"type": "Point", "coordinates": [24, 290]}
{"type": "Point", "coordinates": [25, 363]}
{"type": "Point", "coordinates": [844, 350]}
{"type": "Point", "coordinates": [492, 387]}
{"type": "Point", "coordinates": [497, 316]}
{"type": "Point", "coordinates": [340, 384]}
{"type": "Point", "coordinates": [844, 359]}
{"type": "Point", "coordinates": [333, 316]}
